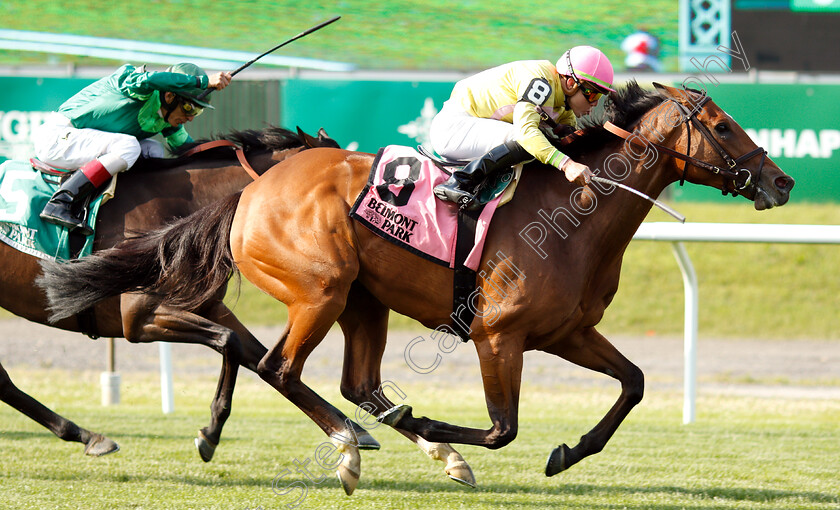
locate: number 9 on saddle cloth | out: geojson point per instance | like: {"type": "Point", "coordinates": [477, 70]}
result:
{"type": "Point", "coordinates": [399, 205]}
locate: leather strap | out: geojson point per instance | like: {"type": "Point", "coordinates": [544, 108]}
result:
{"type": "Point", "coordinates": [623, 133]}
{"type": "Point", "coordinates": [612, 128]}
{"type": "Point", "coordinates": [464, 277]}
{"type": "Point", "coordinates": [240, 154]}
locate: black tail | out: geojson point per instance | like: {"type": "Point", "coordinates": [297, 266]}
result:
{"type": "Point", "coordinates": [185, 263]}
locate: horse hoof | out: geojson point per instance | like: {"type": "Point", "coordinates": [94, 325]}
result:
{"type": "Point", "coordinates": [349, 479]}
{"type": "Point", "coordinates": [100, 445]}
{"type": "Point", "coordinates": [367, 442]}
{"type": "Point", "coordinates": [206, 448]}
{"type": "Point", "coordinates": [557, 460]}
{"type": "Point", "coordinates": [392, 416]}
{"type": "Point", "coordinates": [461, 473]}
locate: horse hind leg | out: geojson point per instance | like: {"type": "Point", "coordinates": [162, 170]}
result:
{"type": "Point", "coordinates": [144, 320]}
{"type": "Point", "coordinates": [364, 322]}
{"type": "Point", "coordinates": [95, 444]}
{"type": "Point", "coordinates": [590, 349]}
{"type": "Point", "coordinates": [252, 352]}
{"type": "Point", "coordinates": [302, 252]}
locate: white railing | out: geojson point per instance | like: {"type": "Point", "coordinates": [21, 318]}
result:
{"type": "Point", "coordinates": [677, 233]}
{"type": "Point", "coordinates": [150, 52]}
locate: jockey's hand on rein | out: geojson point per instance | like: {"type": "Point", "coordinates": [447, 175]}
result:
{"type": "Point", "coordinates": [577, 173]}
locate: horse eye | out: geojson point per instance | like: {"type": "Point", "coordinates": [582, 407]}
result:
{"type": "Point", "coordinates": [722, 127]}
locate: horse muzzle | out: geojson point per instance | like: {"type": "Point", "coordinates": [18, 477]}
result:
{"type": "Point", "coordinates": [774, 193]}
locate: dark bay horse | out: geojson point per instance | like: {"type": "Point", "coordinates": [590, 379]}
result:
{"type": "Point", "coordinates": [289, 233]}
{"type": "Point", "coordinates": [154, 192]}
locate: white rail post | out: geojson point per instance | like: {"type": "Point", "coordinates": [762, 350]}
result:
{"type": "Point", "coordinates": [109, 381]}
{"type": "Point", "coordinates": [675, 233]}
{"type": "Point", "coordinates": [167, 397]}
{"type": "Point", "coordinates": [690, 331]}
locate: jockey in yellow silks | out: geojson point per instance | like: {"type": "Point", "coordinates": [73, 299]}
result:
{"type": "Point", "coordinates": [495, 116]}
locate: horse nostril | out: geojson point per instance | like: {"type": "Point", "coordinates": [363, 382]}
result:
{"type": "Point", "coordinates": [784, 183]}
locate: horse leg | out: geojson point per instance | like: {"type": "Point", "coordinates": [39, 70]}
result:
{"type": "Point", "coordinates": [364, 322]}
{"type": "Point", "coordinates": [146, 320]}
{"type": "Point", "coordinates": [95, 444]}
{"type": "Point", "coordinates": [303, 254]}
{"type": "Point", "coordinates": [501, 371]}
{"type": "Point", "coordinates": [282, 367]}
{"type": "Point", "coordinates": [251, 354]}
{"type": "Point", "coordinates": [590, 349]}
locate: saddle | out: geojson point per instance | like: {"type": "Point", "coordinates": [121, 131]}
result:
{"type": "Point", "coordinates": [33, 184]}
{"type": "Point", "coordinates": [45, 168]}
{"type": "Point", "coordinates": [498, 183]}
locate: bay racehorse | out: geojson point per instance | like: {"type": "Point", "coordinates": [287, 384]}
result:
{"type": "Point", "coordinates": [154, 192]}
{"type": "Point", "coordinates": [289, 233]}
{"type": "Point", "coordinates": [151, 194]}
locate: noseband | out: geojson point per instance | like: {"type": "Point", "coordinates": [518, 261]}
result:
{"type": "Point", "coordinates": [740, 178]}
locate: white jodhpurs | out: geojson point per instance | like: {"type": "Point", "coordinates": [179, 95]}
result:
{"type": "Point", "coordinates": [457, 135]}
{"type": "Point", "coordinates": [59, 144]}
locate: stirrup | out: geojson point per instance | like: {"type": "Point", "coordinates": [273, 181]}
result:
{"type": "Point", "coordinates": [463, 199]}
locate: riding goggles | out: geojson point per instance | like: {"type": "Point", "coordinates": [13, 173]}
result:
{"type": "Point", "coordinates": [191, 108]}
{"type": "Point", "coordinates": [591, 95]}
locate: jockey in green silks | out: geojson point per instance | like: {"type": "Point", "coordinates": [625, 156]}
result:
{"type": "Point", "coordinates": [105, 127]}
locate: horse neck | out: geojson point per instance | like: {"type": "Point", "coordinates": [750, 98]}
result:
{"type": "Point", "coordinates": [227, 177]}
{"type": "Point", "coordinates": [180, 191]}
{"type": "Point", "coordinates": [620, 212]}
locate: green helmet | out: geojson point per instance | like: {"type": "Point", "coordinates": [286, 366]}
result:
{"type": "Point", "coordinates": [192, 94]}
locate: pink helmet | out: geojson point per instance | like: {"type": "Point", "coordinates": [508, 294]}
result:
{"type": "Point", "coordinates": [588, 64]}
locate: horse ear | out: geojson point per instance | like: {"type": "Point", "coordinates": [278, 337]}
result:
{"type": "Point", "coordinates": [668, 91]}
{"type": "Point", "coordinates": [325, 139]}
{"type": "Point", "coordinates": [685, 97]}
{"type": "Point", "coordinates": [308, 140]}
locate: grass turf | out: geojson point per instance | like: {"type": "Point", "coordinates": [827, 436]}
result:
{"type": "Point", "coordinates": [742, 453]}
{"type": "Point", "coordinates": [417, 34]}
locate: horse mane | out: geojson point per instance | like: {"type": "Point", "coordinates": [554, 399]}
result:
{"type": "Point", "coordinates": [624, 108]}
{"type": "Point", "coordinates": [272, 138]}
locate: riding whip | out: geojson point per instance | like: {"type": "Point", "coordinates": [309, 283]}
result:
{"type": "Point", "coordinates": [679, 217]}
{"type": "Point", "coordinates": [295, 38]}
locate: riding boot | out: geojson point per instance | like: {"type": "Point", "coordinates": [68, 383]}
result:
{"type": "Point", "coordinates": [66, 207]}
{"type": "Point", "coordinates": [459, 187]}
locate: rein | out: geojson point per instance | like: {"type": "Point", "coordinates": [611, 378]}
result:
{"type": "Point", "coordinates": [240, 154]}
{"type": "Point", "coordinates": [740, 178]}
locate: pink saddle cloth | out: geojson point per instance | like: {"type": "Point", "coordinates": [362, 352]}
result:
{"type": "Point", "coordinates": [398, 205]}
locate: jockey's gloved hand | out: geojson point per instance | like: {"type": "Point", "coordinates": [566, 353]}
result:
{"type": "Point", "coordinates": [151, 149]}
{"type": "Point", "coordinates": [577, 173]}
{"type": "Point", "coordinates": [219, 80]}
{"type": "Point", "coordinates": [562, 130]}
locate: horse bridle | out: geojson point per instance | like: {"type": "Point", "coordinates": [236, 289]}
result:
{"type": "Point", "coordinates": [240, 154]}
{"type": "Point", "coordinates": [740, 178]}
